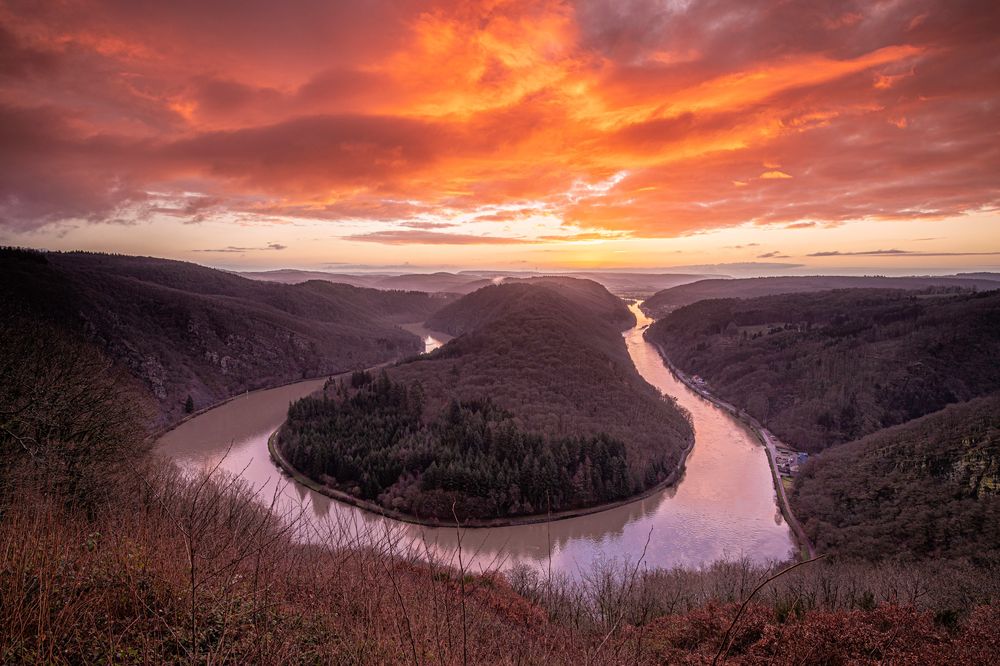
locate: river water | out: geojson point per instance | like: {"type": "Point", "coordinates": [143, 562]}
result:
{"type": "Point", "coordinates": [724, 506]}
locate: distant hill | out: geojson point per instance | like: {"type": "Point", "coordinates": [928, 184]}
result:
{"type": "Point", "coordinates": [670, 299]}
{"type": "Point", "coordinates": [535, 406]}
{"type": "Point", "coordinates": [295, 276]}
{"type": "Point", "coordinates": [995, 277]}
{"type": "Point", "coordinates": [464, 282]}
{"type": "Point", "coordinates": [497, 301]}
{"type": "Point", "coordinates": [430, 282]}
{"type": "Point", "coordinates": [927, 488]}
{"type": "Point", "coordinates": [184, 329]}
{"type": "Point", "coordinates": [639, 285]}
{"type": "Point", "coordinates": [436, 282]}
{"type": "Point", "coordinates": [825, 368]}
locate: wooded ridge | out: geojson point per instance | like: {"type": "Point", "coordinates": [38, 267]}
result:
{"type": "Point", "coordinates": [826, 368]}
{"type": "Point", "coordinates": [186, 330]}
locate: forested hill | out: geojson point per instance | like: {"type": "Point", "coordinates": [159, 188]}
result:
{"type": "Point", "coordinates": [184, 329]}
{"type": "Point", "coordinates": [829, 367]}
{"type": "Point", "coordinates": [664, 301]}
{"type": "Point", "coordinates": [536, 406]}
{"type": "Point", "coordinates": [556, 360]}
{"type": "Point", "coordinates": [497, 302]}
{"type": "Point", "coordinates": [928, 488]}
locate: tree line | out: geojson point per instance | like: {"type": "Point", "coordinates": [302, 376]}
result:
{"type": "Point", "coordinates": [370, 438]}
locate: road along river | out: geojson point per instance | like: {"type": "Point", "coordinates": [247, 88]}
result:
{"type": "Point", "coordinates": [723, 507]}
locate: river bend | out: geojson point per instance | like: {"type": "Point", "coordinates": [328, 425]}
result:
{"type": "Point", "coordinates": [723, 507]}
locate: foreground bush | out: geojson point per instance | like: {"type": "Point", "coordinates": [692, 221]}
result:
{"type": "Point", "coordinates": [204, 570]}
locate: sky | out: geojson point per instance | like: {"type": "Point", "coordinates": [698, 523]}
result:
{"type": "Point", "coordinates": [627, 134]}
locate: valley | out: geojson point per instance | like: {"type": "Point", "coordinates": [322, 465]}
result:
{"type": "Point", "coordinates": [681, 508]}
{"type": "Point", "coordinates": [723, 505]}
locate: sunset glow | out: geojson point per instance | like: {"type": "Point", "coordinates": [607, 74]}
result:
{"type": "Point", "coordinates": [505, 134]}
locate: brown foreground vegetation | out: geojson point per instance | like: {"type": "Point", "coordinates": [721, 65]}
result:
{"type": "Point", "coordinates": [202, 571]}
{"type": "Point", "coordinates": [136, 563]}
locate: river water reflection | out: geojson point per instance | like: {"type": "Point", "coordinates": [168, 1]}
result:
{"type": "Point", "coordinates": [724, 506]}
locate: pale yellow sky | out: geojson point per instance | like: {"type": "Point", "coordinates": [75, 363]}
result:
{"type": "Point", "coordinates": [953, 244]}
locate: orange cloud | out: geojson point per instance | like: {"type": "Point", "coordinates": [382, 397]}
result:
{"type": "Point", "coordinates": [640, 120]}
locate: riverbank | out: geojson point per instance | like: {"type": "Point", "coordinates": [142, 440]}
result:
{"type": "Point", "coordinates": [415, 328]}
{"type": "Point", "coordinates": [159, 433]}
{"type": "Point", "coordinates": [805, 547]}
{"type": "Point", "coordinates": [533, 519]}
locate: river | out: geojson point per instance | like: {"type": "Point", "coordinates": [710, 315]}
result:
{"type": "Point", "coordinates": [723, 507]}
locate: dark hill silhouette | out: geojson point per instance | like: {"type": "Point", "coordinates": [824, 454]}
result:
{"type": "Point", "coordinates": [552, 352]}
{"type": "Point", "coordinates": [640, 285]}
{"type": "Point", "coordinates": [983, 275]}
{"type": "Point", "coordinates": [664, 301]}
{"type": "Point", "coordinates": [184, 329]}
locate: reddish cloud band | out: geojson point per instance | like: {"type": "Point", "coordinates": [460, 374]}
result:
{"type": "Point", "coordinates": [693, 115]}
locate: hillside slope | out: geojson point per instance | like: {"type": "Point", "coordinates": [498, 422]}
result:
{"type": "Point", "coordinates": [536, 406]}
{"type": "Point", "coordinates": [829, 367]}
{"type": "Point", "coordinates": [495, 301]}
{"type": "Point", "coordinates": [184, 329]}
{"type": "Point", "coordinates": [664, 301]}
{"type": "Point", "coordinates": [927, 488]}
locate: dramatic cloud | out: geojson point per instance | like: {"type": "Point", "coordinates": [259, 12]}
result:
{"type": "Point", "coordinates": [637, 119]}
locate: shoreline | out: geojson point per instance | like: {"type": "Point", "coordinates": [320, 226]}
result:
{"type": "Point", "coordinates": [163, 430]}
{"type": "Point", "coordinates": [533, 519]}
{"type": "Point", "coordinates": [763, 436]}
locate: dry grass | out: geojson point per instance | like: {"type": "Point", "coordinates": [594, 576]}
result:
{"type": "Point", "coordinates": [205, 571]}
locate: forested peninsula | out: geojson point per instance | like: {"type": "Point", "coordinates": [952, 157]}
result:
{"type": "Point", "coordinates": [535, 408]}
